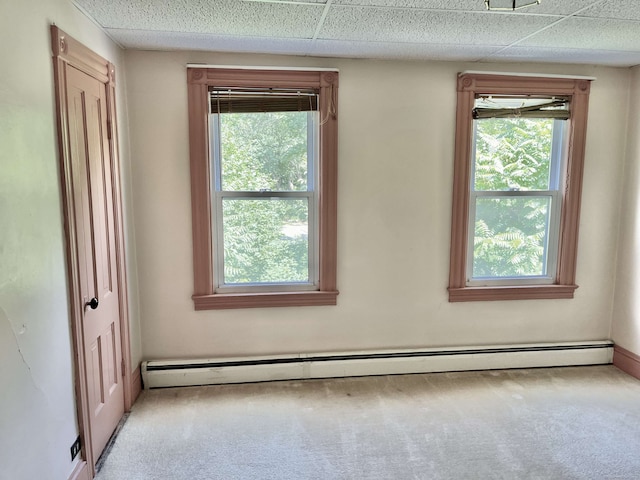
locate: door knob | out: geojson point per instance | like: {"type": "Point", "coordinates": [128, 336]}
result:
{"type": "Point", "coordinates": [93, 303]}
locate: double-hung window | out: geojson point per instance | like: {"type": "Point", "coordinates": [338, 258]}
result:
{"type": "Point", "coordinates": [264, 178]}
{"type": "Point", "coordinates": [514, 202]}
{"type": "Point", "coordinates": [265, 157]}
{"type": "Point", "coordinates": [517, 183]}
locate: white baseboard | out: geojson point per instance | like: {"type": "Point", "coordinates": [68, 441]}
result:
{"type": "Point", "coordinates": [177, 373]}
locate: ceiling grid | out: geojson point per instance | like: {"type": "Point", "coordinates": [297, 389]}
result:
{"type": "Point", "coordinates": [601, 32]}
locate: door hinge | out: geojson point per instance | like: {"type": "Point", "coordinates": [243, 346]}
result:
{"type": "Point", "coordinates": [122, 368]}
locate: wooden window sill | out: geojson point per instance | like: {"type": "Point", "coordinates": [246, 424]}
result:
{"type": "Point", "coordinates": [221, 301]}
{"type": "Point", "coordinates": [524, 292]}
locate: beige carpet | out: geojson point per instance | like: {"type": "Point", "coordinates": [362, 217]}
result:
{"type": "Point", "coordinates": [562, 423]}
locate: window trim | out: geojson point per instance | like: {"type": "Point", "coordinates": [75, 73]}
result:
{"type": "Point", "coordinates": [198, 82]}
{"type": "Point", "coordinates": [470, 85]}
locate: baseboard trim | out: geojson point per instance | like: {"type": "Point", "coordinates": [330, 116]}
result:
{"type": "Point", "coordinates": [626, 361]}
{"type": "Point", "coordinates": [136, 384]}
{"type": "Point", "coordinates": [175, 373]}
{"type": "Point", "coordinates": [81, 472]}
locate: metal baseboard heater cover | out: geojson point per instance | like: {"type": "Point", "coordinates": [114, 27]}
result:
{"type": "Point", "coordinates": [178, 373]}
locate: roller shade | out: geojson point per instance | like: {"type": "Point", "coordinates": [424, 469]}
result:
{"type": "Point", "coordinates": [230, 100]}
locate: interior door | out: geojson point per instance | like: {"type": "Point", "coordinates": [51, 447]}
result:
{"type": "Point", "coordinates": [92, 198]}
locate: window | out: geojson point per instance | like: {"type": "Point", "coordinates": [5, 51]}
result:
{"type": "Point", "coordinates": [517, 186]}
{"type": "Point", "coordinates": [264, 181]}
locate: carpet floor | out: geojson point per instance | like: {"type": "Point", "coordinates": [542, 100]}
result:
{"type": "Point", "coordinates": [552, 423]}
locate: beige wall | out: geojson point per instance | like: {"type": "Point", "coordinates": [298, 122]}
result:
{"type": "Point", "coordinates": [626, 314]}
{"type": "Point", "coordinates": [396, 149]}
{"type": "Point", "coordinates": [395, 173]}
{"type": "Point", "coordinates": [37, 406]}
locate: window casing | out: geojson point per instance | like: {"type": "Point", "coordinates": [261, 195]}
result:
{"type": "Point", "coordinates": [553, 276]}
{"type": "Point", "coordinates": [218, 281]}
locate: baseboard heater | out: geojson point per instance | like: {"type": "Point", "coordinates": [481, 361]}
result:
{"type": "Point", "coordinates": [176, 373]}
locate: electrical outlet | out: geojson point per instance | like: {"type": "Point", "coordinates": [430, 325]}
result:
{"type": "Point", "coordinates": [75, 448]}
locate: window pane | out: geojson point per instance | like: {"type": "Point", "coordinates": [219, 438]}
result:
{"type": "Point", "coordinates": [264, 151]}
{"type": "Point", "coordinates": [511, 236]}
{"type": "Point", "coordinates": [265, 240]}
{"type": "Point", "coordinates": [513, 154]}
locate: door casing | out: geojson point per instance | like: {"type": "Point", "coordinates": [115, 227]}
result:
{"type": "Point", "coordinates": [67, 52]}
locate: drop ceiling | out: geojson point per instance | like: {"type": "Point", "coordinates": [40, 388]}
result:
{"type": "Point", "coordinates": [602, 32]}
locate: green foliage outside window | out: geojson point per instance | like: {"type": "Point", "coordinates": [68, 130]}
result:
{"type": "Point", "coordinates": [264, 151]}
{"type": "Point", "coordinates": [510, 237]}
{"type": "Point", "coordinates": [512, 154]}
{"type": "Point", "coordinates": [265, 239]}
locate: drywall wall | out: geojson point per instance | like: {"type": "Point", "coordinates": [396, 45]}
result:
{"type": "Point", "coordinates": [37, 407]}
{"type": "Point", "coordinates": [396, 143]}
{"type": "Point", "coordinates": [626, 313]}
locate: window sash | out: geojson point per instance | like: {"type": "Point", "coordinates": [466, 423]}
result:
{"type": "Point", "coordinates": [558, 154]}
{"type": "Point", "coordinates": [219, 282]}
{"type": "Point", "coordinates": [313, 133]}
{"type": "Point", "coordinates": [550, 242]}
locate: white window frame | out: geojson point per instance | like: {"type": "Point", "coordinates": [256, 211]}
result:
{"type": "Point", "coordinates": [558, 161]}
{"type": "Point", "coordinates": [311, 195]}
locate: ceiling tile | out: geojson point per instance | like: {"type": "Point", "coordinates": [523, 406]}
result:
{"type": "Point", "coordinates": [620, 9]}
{"type": "Point", "coordinates": [604, 32]}
{"type": "Point", "coordinates": [422, 26]}
{"type": "Point", "coordinates": [553, 7]}
{"type": "Point", "coordinates": [567, 56]}
{"type": "Point", "coordinates": [411, 51]}
{"type": "Point", "coordinates": [221, 17]}
{"type": "Point", "coordinates": [424, 4]}
{"type": "Point", "coordinates": [285, 1]}
{"type": "Point", "coordinates": [136, 39]}
{"type": "Point", "coordinates": [589, 33]}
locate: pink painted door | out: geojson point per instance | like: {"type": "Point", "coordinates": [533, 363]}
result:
{"type": "Point", "coordinates": [96, 242]}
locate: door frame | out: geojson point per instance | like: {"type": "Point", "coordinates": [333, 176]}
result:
{"type": "Point", "coordinates": [67, 52]}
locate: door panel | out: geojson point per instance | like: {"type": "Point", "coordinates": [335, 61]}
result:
{"type": "Point", "coordinates": [95, 230]}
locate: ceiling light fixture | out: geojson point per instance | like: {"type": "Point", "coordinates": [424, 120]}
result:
{"type": "Point", "coordinates": [499, 5]}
